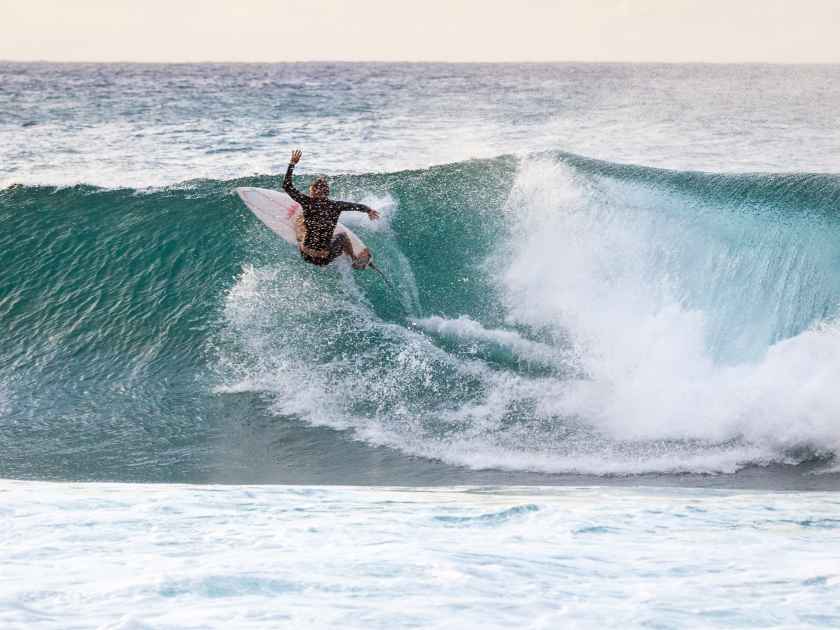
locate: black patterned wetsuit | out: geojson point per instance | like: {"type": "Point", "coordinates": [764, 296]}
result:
{"type": "Point", "coordinates": [320, 217]}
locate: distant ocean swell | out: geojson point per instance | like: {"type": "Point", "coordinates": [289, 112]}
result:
{"type": "Point", "coordinates": [555, 314]}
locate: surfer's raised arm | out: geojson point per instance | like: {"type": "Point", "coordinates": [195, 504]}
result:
{"type": "Point", "coordinates": [288, 186]}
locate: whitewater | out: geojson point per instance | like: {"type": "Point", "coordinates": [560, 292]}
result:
{"type": "Point", "coordinates": [602, 394]}
{"type": "Point", "coordinates": [162, 556]}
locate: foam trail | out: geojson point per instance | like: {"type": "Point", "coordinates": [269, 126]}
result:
{"type": "Point", "coordinates": [470, 331]}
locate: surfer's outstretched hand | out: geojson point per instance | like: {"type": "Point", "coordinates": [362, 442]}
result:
{"type": "Point", "coordinates": [373, 215]}
{"type": "Point", "coordinates": [296, 156]}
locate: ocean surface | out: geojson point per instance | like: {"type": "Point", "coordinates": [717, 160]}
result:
{"type": "Point", "coordinates": [602, 393]}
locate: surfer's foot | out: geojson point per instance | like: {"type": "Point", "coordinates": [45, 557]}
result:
{"type": "Point", "coordinates": [362, 260]}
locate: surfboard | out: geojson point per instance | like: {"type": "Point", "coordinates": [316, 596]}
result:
{"type": "Point", "coordinates": [279, 212]}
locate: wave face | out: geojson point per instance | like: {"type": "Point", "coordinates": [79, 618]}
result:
{"type": "Point", "coordinates": [559, 315]}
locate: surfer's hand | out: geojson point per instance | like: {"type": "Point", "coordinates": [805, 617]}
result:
{"type": "Point", "coordinates": [373, 215]}
{"type": "Point", "coordinates": [296, 156]}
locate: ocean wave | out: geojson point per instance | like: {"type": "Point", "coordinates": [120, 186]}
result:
{"type": "Point", "coordinates": [554, 314]}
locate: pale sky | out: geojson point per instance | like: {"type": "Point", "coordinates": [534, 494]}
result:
{"type": "Point", "coordinates": [785, 31]}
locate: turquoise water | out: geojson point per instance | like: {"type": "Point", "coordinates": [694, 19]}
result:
{"type": "Point", "coordinates": [557, 317]}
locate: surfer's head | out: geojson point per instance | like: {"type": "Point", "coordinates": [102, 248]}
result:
{"type": "Point", "coordinates": [319, 189]}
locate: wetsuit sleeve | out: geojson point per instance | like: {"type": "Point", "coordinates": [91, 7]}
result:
{"type": "Point", "coordinates": [290, 189]}
{"type": "Point", "coordinates": [346, 206]}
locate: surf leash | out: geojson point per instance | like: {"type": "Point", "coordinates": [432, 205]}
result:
{"type": "Point", "coordinates": [389, 285]}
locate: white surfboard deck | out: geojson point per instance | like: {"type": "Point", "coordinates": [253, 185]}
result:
{"type": "Point", "coordinates": [279, 211]}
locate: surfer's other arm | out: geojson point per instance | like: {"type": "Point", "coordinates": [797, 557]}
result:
{"type": "Point", "coordinates": [346, 206]}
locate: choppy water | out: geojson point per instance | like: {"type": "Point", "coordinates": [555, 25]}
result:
{"type": "Point", "coordinates": [150, 125]}
{"type": "Point", "coordinates": [557, 315]}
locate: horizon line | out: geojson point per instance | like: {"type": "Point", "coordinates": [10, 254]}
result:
{"type": "Point", "coordinates": [425, 62]}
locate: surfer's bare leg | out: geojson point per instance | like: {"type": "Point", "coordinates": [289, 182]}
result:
{"type": "Point", "coordinates": [362, 259]}
{"type": "Point", "coordinates": [300, 228]}
{"type": "Point", "coordinates": [347, 248]}
{"type": "Point", "coordinates": [343, 245]}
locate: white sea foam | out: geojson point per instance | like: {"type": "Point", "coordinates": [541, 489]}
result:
{"type": "Point", "coordinates": [651, 374]}
{"type": "Point", "coordinates": [162, 556]}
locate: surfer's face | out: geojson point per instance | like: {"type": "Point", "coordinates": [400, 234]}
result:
{"type": "Point", "coordinates": [319, 189]}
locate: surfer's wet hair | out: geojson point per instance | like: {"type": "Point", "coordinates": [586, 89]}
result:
{"type": "Point", "coordinates": [319, 187]}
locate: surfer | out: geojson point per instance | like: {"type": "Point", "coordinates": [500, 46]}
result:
{"type": "Point", "coordinates": [320, 215]}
